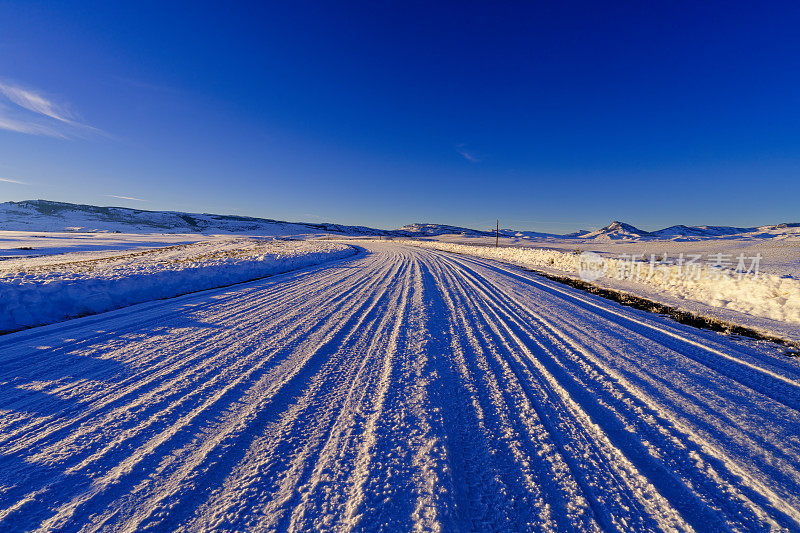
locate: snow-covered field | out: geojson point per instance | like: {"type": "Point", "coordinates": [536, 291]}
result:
{"type": "Point", "coordinates": [55, 286]}
{"type": "Point", "coordinates": [402, 389]}
{"type": "Point", "coordinates": [29, 245]}
{"type": "Point", "coordinates": [368, 385]}
{"type": "Point", "coordinates": [768, 301]}
{"type": "Point", "coordinates": [780, 253]}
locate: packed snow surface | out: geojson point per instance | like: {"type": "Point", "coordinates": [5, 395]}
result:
{"type": "Point", "coordinates": [36, 291]}
{"type": "Point", "coordinates": [401, 389]}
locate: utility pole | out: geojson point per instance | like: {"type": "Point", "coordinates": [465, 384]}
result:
{"type": "Point", "coordinates": [497, 235]}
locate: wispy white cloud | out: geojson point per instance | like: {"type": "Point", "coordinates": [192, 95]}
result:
{"type": "Point", "coordinates": [32, 113]}
{"type": "Point", "coordinates": [125, 198]}
{"type": "Point", "coordinates": [30, 128]}
{"type": "Point", "coordinates": [34, 102]}
{"type": "Point", "coordinates": [17, 182]}
{"type": "Point", "coordinates": [469, 156]}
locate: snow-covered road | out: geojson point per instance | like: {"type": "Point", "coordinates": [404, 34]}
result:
{"type": "Point", "coordinates": [401, 389]}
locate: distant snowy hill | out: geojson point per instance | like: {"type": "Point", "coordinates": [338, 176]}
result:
{"type": "Point", "coordinates": [433, 230]}
{"type": "Point", "coordinates": [617, 231]}
{"type": "Point", "coordinates": [620, 231]}
{"type": "Point", "coordinates": [725, 231]}
{"type": "Point", "coordinates": [699, 231]}
{"type": "Point", "coordinates": [45, 215]}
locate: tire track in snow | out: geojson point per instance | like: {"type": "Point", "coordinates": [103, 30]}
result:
{"type": "Point", "coordinates": [187, 343]}
{"type": "Point", "coordinates": [194, 391]}
{"type": "Point", "coordinates": [725, 487]}
{"type": "Point", "coordinates": [194, 453]}
{"type": "Point", "coordinates": [321, 395]}
{"type": "Point", "coordinates": [544, 400]}
{"type": "Point", "coordinates": [400, 389]}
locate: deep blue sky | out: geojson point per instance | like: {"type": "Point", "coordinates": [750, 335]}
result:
{"type": "Point", "coordinates": [552, 116]}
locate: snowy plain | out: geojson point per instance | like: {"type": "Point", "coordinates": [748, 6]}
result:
{"type": "Point", "coordinates": [769, 302]}
{"type": "Point", "coordinates": [29, 245]}
{"type": "Point", "coordinates": [368, 385]}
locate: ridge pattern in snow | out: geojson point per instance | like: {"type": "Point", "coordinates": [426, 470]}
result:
{"type": "Point", "coordinates": [403, 389]}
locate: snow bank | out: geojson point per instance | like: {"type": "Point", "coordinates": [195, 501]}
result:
{"type": "Point", "coordinates": [765, 295]}
{"type": "Point", "coordinates": [33, 297]}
